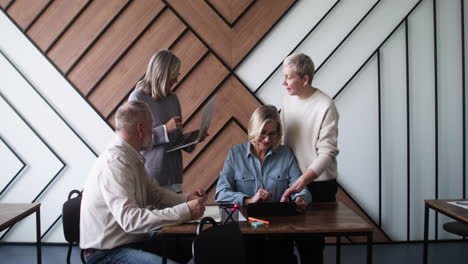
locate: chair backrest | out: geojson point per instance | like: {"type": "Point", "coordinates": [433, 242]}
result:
{"type": "Point", "coordinates": [457, 228]}
{"type": "Point", "coordinates": [71, 221]}
{"type": "Point", "coordinates": [218, 244]}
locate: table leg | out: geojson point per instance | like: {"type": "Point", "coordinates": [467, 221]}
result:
{"type": "Point", "coordinates": [426, 233]}
{"type": "Point", "coordinates": [369, 248]}
{"type": "Point", "coordinates": [338, 249]}
{"type": "Point", "coordinates": [38, 235]}
{"type": "Point", "coordinates": [164, 248]}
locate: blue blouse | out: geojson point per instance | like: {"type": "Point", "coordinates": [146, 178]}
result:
{"type": "Point", "coordinates": [243, 175]}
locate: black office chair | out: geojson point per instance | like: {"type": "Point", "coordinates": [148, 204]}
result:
{"type": "Point", "coordinates": [71, 222]}
{"type": "Point", "coordinates": [457, 228]}
{"type": "Point", "coordinates": [218, 244]}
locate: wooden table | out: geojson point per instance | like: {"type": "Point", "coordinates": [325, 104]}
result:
{"type": "Point", "coordinates": [456, 212]}
{"type": "Point", "coordinates": [12, 213]}
{"type": "Point", "coordinates": [320, 219]}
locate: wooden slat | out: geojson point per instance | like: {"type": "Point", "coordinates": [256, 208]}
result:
{"type": "Point", "coordinates": [4, 3]}
{"type": "Point", "coordinates": [132, 67]}
{"type": "Point", "coordinates": [378, 235]}
{"type": "Point", "coordinates": [232, 100]}
{"type": "Point", "coordinates": [200, 84]}
{"type": "Point", "coordinates": [199, 175]}
{"type": "Point", "coordinates": [113, 43]}
{"type": "Point", "coordinates": [207, 24]}
{"type": "Point", "coordinates": [254, 25]}
{"type": "Point", "coordinates": [189, 50]}
{"type": "Point", "coordinates": [24, 11]}
{"type": "Point", "coordinates": [83, 32]}
{"type": "Point", "coordinates": [53, 21]}
{"type": "Point", "coordinates": [230, 9]}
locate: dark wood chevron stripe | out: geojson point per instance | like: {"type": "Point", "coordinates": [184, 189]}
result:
{"type": "Point", "coordinates": [5, 4]}
{"type": "Point", "coordinates": [24, 11]}
{"type": "Point", "coordinates": [230, 11]}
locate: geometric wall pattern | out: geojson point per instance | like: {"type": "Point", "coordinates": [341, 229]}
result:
{"type": "Point", "coordinates": [365, 54]}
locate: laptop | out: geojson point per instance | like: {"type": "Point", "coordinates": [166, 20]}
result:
{"type": "Point", "coordinates": [194, 137]}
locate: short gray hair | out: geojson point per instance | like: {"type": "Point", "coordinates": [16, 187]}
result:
{"type": "Point", "coordinates": [301, 64]}
{"type": "Point", "coordinates": [130, 113]}
{"type": "Point", "coordinates": [259, 118]}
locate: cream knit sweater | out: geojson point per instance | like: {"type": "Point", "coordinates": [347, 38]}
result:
{"type": "Point", "coordinates": [310, 129]}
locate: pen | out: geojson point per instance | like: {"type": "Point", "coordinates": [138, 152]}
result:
{"type": "Point", "coordinates": [231, 213]}
{"type": "Point", "coordinates": [251, 219]}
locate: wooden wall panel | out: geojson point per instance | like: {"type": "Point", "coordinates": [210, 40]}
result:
{"type": "Point", "coordinates": [230, 9]}
{"type": "Point", "coordinates": [113, 43]}
{"type": "Point", "coordinates": [194, 90]}
{"type": "Point", "coordinates": [190, 50]}
{"type": "Point", "coordinates": [5, 3]}
{"type": "Point", "coordinates": [24, 11]}
{"type": "Point", "coordinates": [53, 21]}
{"type": "Point", "coordinates": [201, 176]}
{"type": "Point", "coordinates": [132, 67]}
{"type": "Point", "coordinates": [227, 106]}
{"type": "Point", "coordinates": [83, 32]}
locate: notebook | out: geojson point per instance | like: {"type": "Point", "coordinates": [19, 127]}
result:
{"type": "Point", "coordinates": [194, 137]}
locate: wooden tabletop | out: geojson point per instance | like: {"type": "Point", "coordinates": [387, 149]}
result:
{"type": "Point", "coordinates": [319, 218]}
{"type": "Point", "coordinates": [10, 213]}
{"type": "Point", "coordinates": [456, 212]}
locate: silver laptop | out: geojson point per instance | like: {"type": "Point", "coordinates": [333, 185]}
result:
{"type": "Point", "coordinates": [194, 137]}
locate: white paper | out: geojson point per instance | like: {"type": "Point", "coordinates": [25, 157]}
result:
{"type": "Point", "coordinates": [464, 205]}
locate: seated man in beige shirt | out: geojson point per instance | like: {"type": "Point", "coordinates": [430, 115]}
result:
{"type": "Point", "coordinates": [121, 202]}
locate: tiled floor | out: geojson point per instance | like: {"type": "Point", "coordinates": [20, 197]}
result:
{"type": "Point", "coordinates": [442, 252]}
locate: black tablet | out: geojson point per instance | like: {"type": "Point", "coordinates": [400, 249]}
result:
{"type": "Point", "coordinates": [271, 209]}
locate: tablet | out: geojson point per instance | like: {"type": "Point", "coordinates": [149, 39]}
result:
{"type": "Point", "coordinates": [271, 209]}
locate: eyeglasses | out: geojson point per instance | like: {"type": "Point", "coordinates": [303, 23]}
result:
{"type": "Point", "coordinates": [271, 134]}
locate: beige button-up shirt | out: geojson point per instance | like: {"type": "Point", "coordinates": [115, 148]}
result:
{"type": "Point", "coordinates": [119, 198]}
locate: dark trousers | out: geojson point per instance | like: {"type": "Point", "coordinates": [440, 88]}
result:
{"type": "Point", "coordinates": [311, 249]}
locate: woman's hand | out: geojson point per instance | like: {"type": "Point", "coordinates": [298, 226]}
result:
{"type": "Point", "coordinates": [261, 196]}
{"type": "Point", "coordinates": [173, 124]}
{"type": "Point", "coordinates": [295, 188]}
{"type": "Point", "coordinates": [300, 205]}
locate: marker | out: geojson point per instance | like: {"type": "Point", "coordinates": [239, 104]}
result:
{"type": "Point", "coordinates": [251, 219]}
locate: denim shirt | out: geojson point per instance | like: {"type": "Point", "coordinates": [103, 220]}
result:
{"type": "Point", "coordinates": [243, 175]}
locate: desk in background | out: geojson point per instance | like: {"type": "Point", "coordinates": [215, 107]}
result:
{"type": "Point", "coordinates": [442, 206]}
{"type": "Point", "coordinates": [320, 219]}
{"type": "Point", "coordinates": [12, 213]}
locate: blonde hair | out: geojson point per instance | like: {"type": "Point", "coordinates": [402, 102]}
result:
{"type": "Point", "coordinates": [130, 113]}
{"type": "Point", "coordinates": [259, 118]}
{"type": "Point", "coordinates": [301, 64]}
{"type": "Point", "coordinates": [163, 67]}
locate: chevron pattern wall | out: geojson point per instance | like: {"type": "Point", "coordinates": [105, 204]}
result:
{"type": "Point", "coordinates": [394, 69]}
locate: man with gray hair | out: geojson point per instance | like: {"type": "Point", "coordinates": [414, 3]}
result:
{"type": "Point", "coordinates": [121, 202]}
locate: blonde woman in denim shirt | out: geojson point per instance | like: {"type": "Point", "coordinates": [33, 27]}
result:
{"type": "Point", "coordinates": [260, 171]}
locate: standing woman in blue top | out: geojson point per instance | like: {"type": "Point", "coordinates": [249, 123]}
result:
{"type": "Point", "coordinates": [155, 90]}
{"type": "Point", "coordinates": [261, 170]}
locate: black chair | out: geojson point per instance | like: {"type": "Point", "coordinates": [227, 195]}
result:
{"type": "Point", "coordinates": [71, 222]}
{"type": "Point", "coordinates": [456, 228]}
{"type": "Point", "coordinates": [218, 244]}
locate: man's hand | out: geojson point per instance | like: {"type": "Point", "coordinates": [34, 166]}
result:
{"type": "Point", "coordinates": [198, 193]}
{"type": "Point", "coordinates": [261, 196]}
{"type": "Point", "coordinates": [300, 205]}
{"type": "Point", "coordinates": [173, 124]}
{"type": "Point", "coordinates": [295, 188]}
{"type": "Point", "coordinates": [196, 207]}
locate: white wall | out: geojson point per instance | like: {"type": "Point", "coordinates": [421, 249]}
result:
{"type": "Point", "coordinates": [383, 31]}
{"type": "Point", "coordinates": [47, 125]}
